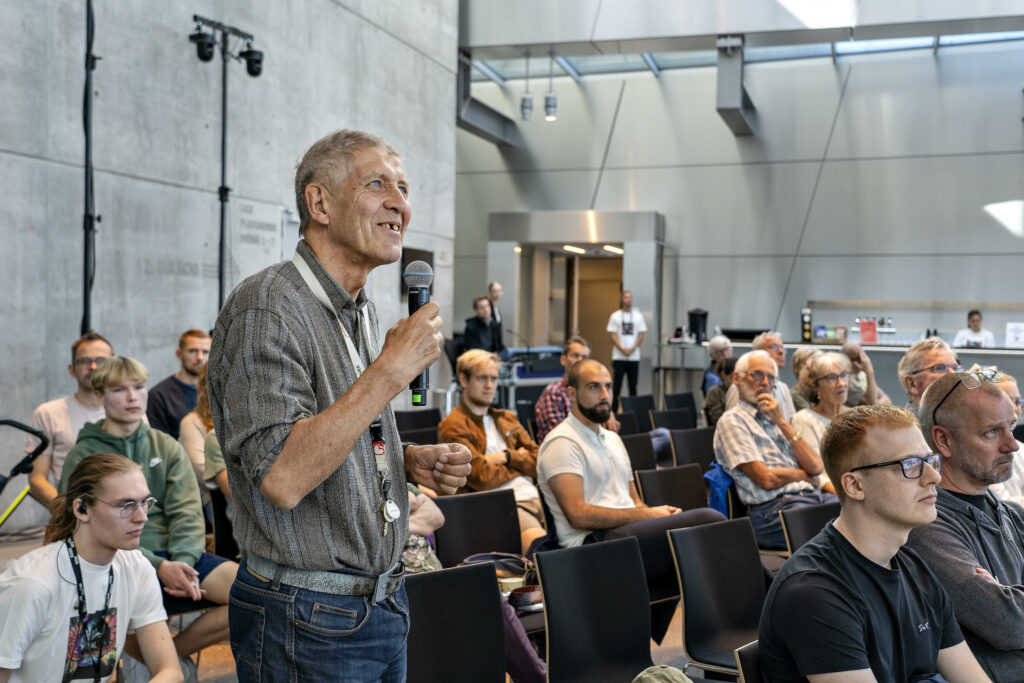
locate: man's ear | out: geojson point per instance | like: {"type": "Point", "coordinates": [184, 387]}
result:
{"type": "Point", "coordinates": [177, 353]}
{"type": "Point", "coordinates": [942, 437]}
{"type": "Point", "coordinates": [463, 380]}
{"type": "Point", "coordinates": [316, 203]}
{"type": "Point", "coordinates": [852, 486]}
{"type": "Point", "coordinates": [908, 384]}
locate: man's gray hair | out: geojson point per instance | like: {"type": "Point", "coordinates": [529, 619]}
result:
{"type": "Point", "coordinates": [762, 341]}
{"type": "Point", "coordinates": [328, 161]}
{"type": "Point", "coordinates": [718, 344]}
{"type": "Point", "coordinates": [911, 360]}
{"type": "Point", "coordinates": [744, 362]}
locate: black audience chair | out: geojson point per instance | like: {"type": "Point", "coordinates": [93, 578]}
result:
{"type": "Point", "coordinates": [682, 487]}
{"type": "Point", "coordinates": [641, 451]}
{"type": "Point", "coordinates": [680, 418]}
{"type": "Point", "coordinates": [417, 419]}
{"type": "Point", "coordinates": [463, 604]}
{"type": "Point", "coordinates": [749, 662]}
{"type": "Point", "coordinates": [525, 412]}
{"type": "Point", "coordinates": [481, 522]}
{"type": "Point", "coordinates": [627, 423]}
{"type": "Point", "coordinates": [421, 435]}
{"type": "Point", "coordinates": [641, 406]}
{"type": "Point", "coordinates": [683, 400]}
{"type": "Point", "coordinates": [722, 591]}
{"type": "Point", "coordinates": [802, 524]}
{"type": "Point", "coordinates": [694, 446]}
{"type": "Point", "coordinates": [597, 613]}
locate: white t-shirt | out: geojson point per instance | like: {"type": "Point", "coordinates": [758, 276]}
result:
{"type": "Point", "coordinates": [627, 326]}
{"type": "Point", "coordinates": [39, 619]}
{"type": "Point", "coordinates": [969, 338]}
{"type": "Point", "coordinates": [521, 486]}
{"type": "Point", "coordinates": [601, 459]}
{"type": "Point", "coordinates": [61, 420]}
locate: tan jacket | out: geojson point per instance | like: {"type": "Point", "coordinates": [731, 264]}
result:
{"type": "Point", "coordinates": [466, 428]}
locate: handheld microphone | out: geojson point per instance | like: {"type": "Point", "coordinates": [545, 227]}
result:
{"type": "Point", "coordinates": [418, 277]}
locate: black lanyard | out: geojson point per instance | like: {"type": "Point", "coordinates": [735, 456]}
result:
{"type": "Point", "coordinates": [83, 613]}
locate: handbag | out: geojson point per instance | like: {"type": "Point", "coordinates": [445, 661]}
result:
{"type": "Point", "coordinates": [507, 565]}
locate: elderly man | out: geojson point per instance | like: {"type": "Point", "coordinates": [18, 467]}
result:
{"type": "Point", "coordinates": [300, 391]}
{"type": "Point", "coordinates": [922, 364]}
{"type": "Point", "coordinates": [879, 613]}
{"type": "Point", "coordinates": [504, 455]}
{"type": "Point", "coordinates": [719, 348]}
{"type": "Point", "coordinates": [773, 467]}
{"type": "Point", "coordinates": [771, 343]}
{"type": "Point", "coordinates": [863, 388]}
{"type": "Point", "coordinates": [976, 546]}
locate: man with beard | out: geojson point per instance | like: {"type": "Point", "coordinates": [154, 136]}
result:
{"type": "Point", "coordinates": [584, 473]}
{"type": "Point", "coordinates": [174, 397]}
{"type": "Point", "coordinates": [504, 455]}
{"type": "Point", "coordinates": [976, 545]}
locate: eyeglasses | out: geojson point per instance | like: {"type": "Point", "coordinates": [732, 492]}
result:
{"type": "Point", "coordinates": [912, 466]}
{"type": "Point", "coordinates": [129, 507]}
{"type": "Point", "coordinates": [86, 362]}
{"type": "Point", "coordinates": [760, 377]}
{"type": "Point", "coordinates": [970, 380]}
{"type": "Point", "coordinates": [940, 368]}
{"type": "Point", "coordinates": [834, 377]}
{"type": "Point", "coordinates": [774, 347]}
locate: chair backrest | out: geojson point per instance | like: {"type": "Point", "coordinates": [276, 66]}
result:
{"type": "Point", "coordinates": [641, 406]}
{"type": "Point", "coordinates": [803, 523]}
{"type": "Point", "coordinates": [694, 445]}
{"type": "Point", "coordinates": [417, 419]}
{"type": "Point", "coordinates": [641, 451]}
{"type": "Point", "coordinates": [627, 423]}
{"type": "Point", "coordinates": [748, 660]}
{"type": "Point", "coordinates": [680, 418]}
{"type": "Point", "coordinates": [419, 435]}
{"type": "Point", "coordinates": [464, 604]}
{"type": "Point", "coordinates": [481, 522]}
{"type": "Point", "coordinates": [681, 486]}
{"type": "Point", "coordinates": [525, 411]}
{"type": "Point", "coordinates": [683, 400]}
{"type": "Point", "coordinates": [722, 590]}
{"type": "Point", "coordinates": [223, 533]}
{"type": "Point", "coordinates": [597, 612]}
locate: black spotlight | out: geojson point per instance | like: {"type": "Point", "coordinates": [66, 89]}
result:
{"type": "Point", "coordinates": [253, 59]}
{"type": "Point", "coordinates": [204, 43]}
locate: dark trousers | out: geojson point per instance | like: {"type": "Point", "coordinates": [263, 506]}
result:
{"type": "Point", "coordinates": [656, 552]}
{"type": "Point", "coordinates": [629, 368]}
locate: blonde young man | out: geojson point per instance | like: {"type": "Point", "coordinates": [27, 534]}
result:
{"type": "Point", "coordinates": [879, 613]}
{"type": "Point", "coordinates": [504, 455]}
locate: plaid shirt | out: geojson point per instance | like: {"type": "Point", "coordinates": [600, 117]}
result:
{"type": "Point", "coordinates": [743, 435]}
{"type": "Point", "coordinates": [553, 406]}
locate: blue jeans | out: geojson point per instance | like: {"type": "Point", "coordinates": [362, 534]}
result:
{"type": "Point", "coordinates": [281, 633]}
{"type": "Point", "coordinates": [768, 524]}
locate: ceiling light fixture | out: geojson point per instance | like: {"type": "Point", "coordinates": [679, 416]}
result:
{"type": "Point", "coordinates": [550, 99]}
{"type": "Point", "coordinates": [526, 103]}
{"type": "Point", "coordinates": [615, 250]}
{"type": "Point", "coordinates": [574, 249]}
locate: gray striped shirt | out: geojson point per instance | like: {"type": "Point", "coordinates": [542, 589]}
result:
{"type": "Point", "coordinates": [278, 356]}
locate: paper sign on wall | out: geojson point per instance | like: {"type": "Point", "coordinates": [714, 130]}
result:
{"type": "Point", "coordinates": [1015, 335]}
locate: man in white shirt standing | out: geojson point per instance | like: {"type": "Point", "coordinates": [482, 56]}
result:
{"type": "Point", "coordinates": [973, 336]}
{"type": "Point", "coordinates": [62, 418]}
{"type": "Point", "coordinates": [627, 328]}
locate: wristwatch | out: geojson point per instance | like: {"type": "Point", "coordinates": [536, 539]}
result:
{"type": "Point", "coordinates": [796, 437]}
{"type": "Point", "coordinates": [508, 456]}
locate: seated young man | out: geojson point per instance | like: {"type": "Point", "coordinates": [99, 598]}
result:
{"type": "Point", "coordinates": [504, 455]}
{"type": "Point", "coordinates": [853, 604]}
{"type": "Point", "coordinates": [67, 608]}
{"type": "Point", "coordinates": [175, 535]}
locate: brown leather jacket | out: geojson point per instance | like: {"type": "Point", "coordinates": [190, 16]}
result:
{"type": "Point", "coordinates": [466, 428]}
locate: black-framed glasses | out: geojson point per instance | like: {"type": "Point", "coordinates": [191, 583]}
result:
{"type": "Point", "coordinates": [834, 377]}
{"type": "Point", "coordinates": [940, 369]}
{"type": "Point", "coordinates": [970, 380]}
{"type": "Point", "coordinates": [86, 362]}
{"type": "Point", "coordinates": [759, 377]}
{"type": "Point", "coordinates": [129, 507]}
{"type": "Point", "coordinates": [912, 466]}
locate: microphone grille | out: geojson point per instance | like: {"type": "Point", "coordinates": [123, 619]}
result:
{"type": "Point", "coordinates": [418, 274]}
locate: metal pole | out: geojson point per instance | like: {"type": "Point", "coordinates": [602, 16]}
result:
{"type": "Point", "coordinates": [223, 191]}
{"type": "Point", "coordinates": [89, 217]}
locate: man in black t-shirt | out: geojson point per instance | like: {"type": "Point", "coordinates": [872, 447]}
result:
{"type": "Point", "coordinates": [853, 604]}
{"type": "Point", "coordinates": [175, 396]}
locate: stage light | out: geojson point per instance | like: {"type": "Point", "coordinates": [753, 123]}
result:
{"type": "Point", "coordinates": [253, 59]}
{"type": "Point", "coordinates": [526, 107]}
{"type": "Point", "coordinates": [550, 107]}
{"type": "Point", "coordinates": [204, 43]}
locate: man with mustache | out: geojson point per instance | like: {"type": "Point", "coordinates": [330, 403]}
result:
{"type": "Point", "coordinates": [976, 544]}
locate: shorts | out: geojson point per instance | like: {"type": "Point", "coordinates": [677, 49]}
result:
{"type": "Point", "coordinates": [530, 513]}
{"type": "Point", "coordinates": [206, 564]}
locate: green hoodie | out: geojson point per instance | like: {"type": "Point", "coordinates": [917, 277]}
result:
{"type": "Point", "coordinates": [175, 524]}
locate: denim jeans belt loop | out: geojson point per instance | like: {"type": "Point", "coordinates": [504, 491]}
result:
{"type": "Point", "coordinates": [337, 583]}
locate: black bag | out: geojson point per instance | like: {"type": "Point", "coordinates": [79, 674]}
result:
{"type": "Point", "coordinates": [507, 565]}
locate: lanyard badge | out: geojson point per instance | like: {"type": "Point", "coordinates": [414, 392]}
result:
{"type": "Point", "coordinates": [388, 509]}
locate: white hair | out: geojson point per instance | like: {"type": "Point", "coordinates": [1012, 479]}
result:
{"type": "Point", "coordinates": [744, 362]}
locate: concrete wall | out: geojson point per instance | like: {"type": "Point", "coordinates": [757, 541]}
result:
{"type": "Point", "coordinates": [867, 181]}
{"type": "Point", "coordinates": [384, 67]}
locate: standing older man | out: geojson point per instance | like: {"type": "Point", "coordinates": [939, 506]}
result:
{"type": "Point", "coordinates": [300, 391]}
{"type": "Point", "coordinates": [719, 348]}
{"type": "Point", "coordinates": [922, 364]}
{"type": "Point", "coordinates": [771, 343]}
{"type": "Point", "coordinates": [976, 545]}
{"type": "Point", "coordinates": [773, 467]}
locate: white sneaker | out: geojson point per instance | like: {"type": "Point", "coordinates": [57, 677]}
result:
{"type": "Point", "coordinates": [189, 669]}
